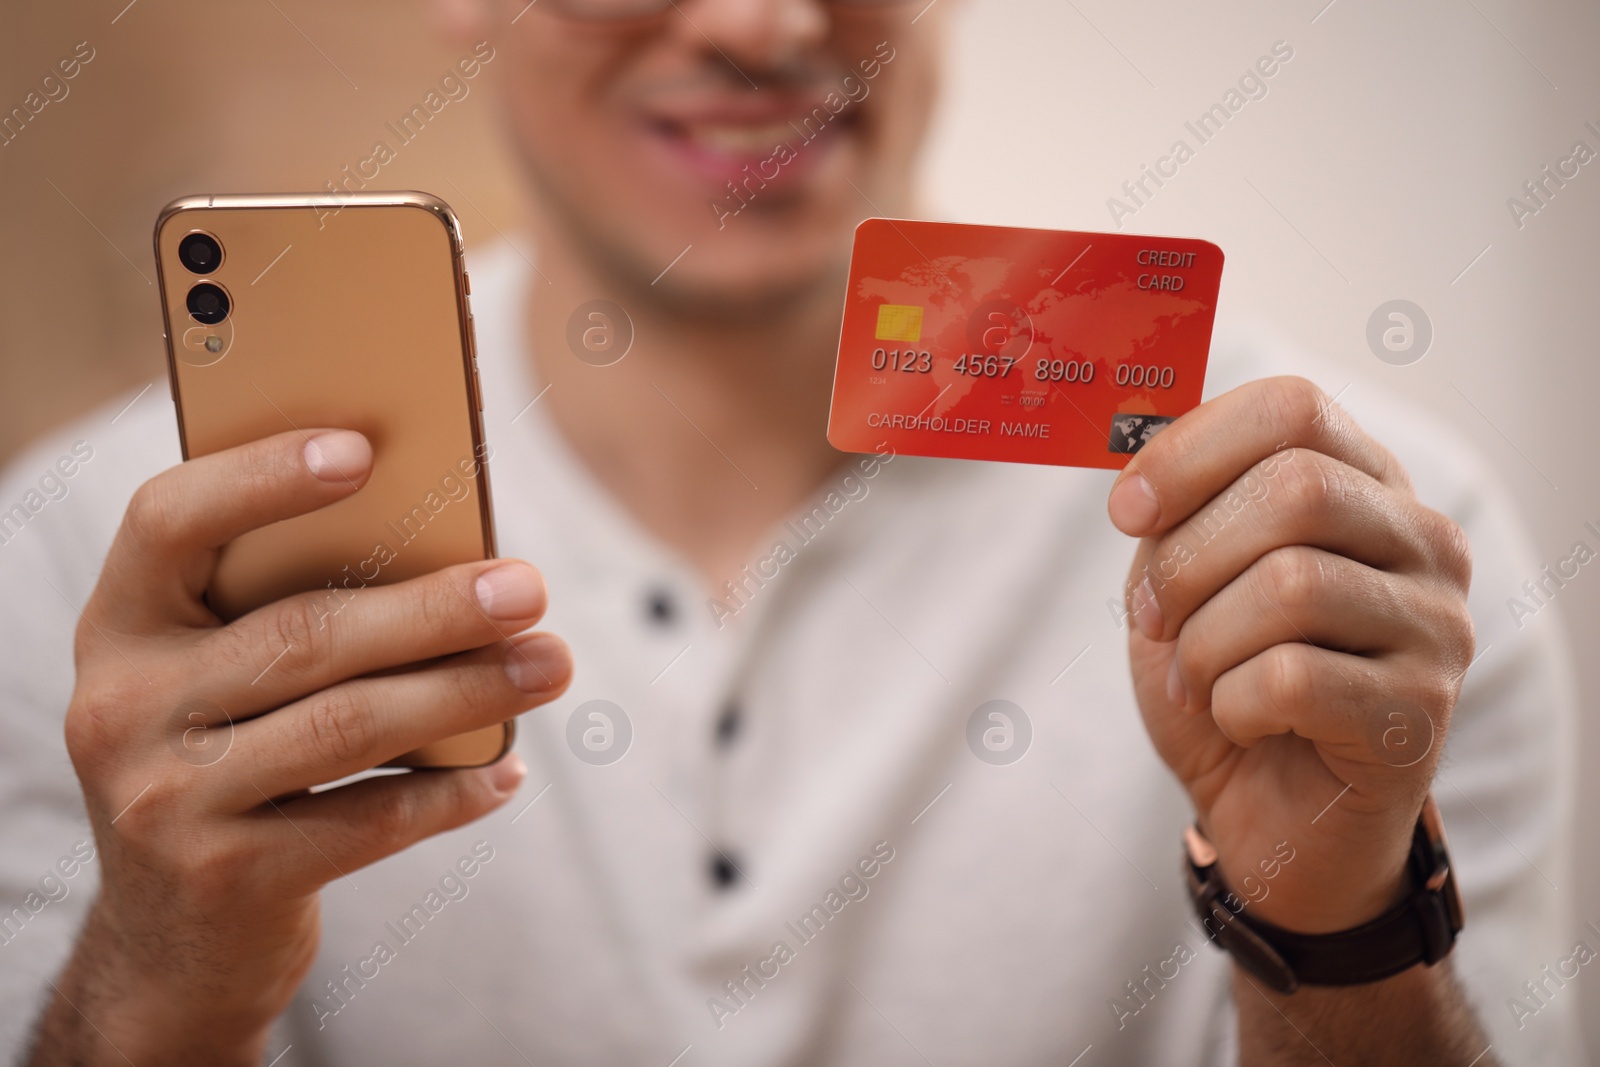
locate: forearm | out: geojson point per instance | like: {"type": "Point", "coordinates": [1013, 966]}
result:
{"type": "Point", "coordinates": [104, 1011]}
{"type": "Point", "coordinates": [1420, 1016]}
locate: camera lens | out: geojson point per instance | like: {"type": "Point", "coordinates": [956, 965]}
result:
{"type": "Point", "coordinates": [200, 253]}
{"type": "Point", "coordinates": [208, 303]}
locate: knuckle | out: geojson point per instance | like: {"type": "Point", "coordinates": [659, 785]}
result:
{"type": "Point", "coordinates": [1311, 493]}
{"type": "Point", "coordinates": [84, 641]}
{"type": "Point", "coordinates": [1460, 637]}
{"type": "Point", "coordinates": [440, 607]}
{"type": "Point", "coordinates": [216, 871]}
{"type": "Point", "coordinates": [467, 796]}
{"type": "Point", "coordinates": [481, 688]}
{"type": "Point", "coordinates": [300, 626]}
{"type": "Point", "coordinates": [1452, 552]}
{"type": "Point", "coordinates": [90, 641]}
{"type": "Point", "coordinates": [87, 731]}
{"type": "Point", "coordinates": [151, 514]}
{"type": "Point", "coordinates": [1290, 676]}
{"type": "Point", "coordinates": [341, 724]}
{"type": "Point", "coordinates": [265, 465]}
{"type": "Point", "coordinates": [1295, 403]}
{"type": "Point", "coordinates": [395, 819]}
{"type": "Point", "coordinates": [1441, 694]}
{"type": "Point", "coordinates": [1292, 577]}
{"type": "Point", "coordinates": [94, 724]}
{"type": "Point", "coordinates": [1466, 629]}
{"type": "Point", "coordinates": [292, 636]}
{"type": "Point", "coordinates": [260, 468]}
{"type": "Point", "coordinates": [1434, 696]}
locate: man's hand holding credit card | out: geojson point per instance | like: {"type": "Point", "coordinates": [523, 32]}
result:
{"type": "Point", "coordinates": [1021, 345]}
{"type": "Point", "coordinates": [1286, 579]}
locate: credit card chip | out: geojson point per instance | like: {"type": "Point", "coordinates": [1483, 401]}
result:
{"type": "Point", "coordinates": [900, 322]}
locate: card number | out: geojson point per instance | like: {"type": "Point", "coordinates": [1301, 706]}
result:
{"type": "Point", "coordinates": [985, 366]}
{"type": "Point", "coordinates": [908, 360]}
{"type": "Point", "coordinates": [1063, 370]}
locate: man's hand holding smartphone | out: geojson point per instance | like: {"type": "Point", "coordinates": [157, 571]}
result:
{"type": "Point", "coordinates": [207, 919]}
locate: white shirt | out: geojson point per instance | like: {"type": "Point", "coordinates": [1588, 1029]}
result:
{"type": "Point", "coordinates": [1009, 903]}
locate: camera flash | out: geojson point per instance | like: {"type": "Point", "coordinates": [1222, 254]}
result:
{"type": "Point", "coordinates": [213, 343]}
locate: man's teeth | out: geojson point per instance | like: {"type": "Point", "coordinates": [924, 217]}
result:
{"type": "Point", "coordinates": [739, 139]}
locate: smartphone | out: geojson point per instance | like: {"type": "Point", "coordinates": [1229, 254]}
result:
{"type": "Point", "coordinates": [288, 312]}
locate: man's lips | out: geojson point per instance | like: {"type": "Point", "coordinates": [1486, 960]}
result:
{"type": "Point", "coordinates": [733, 139]}
{"type": "Point", "coordinates": [720, 151]}
{"type": "Point", "coordinates": [719, 144]}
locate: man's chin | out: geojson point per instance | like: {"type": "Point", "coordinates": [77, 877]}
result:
{"type": "Point", "coordinates": [734, 290]}
{"type": "Point", "coordinates": [750, 272]}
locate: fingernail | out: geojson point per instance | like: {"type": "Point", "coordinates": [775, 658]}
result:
{"type": "Point", "coordinates": [510, 591]}
{"type": "Point", "coordinates": [1147, 611]}
{"type": "Point", "coordinates": [1175, 690]}
{"type": "Point", "coordinates": [537, 663]}
{"type": "Point", "coordinates": [338, 456]}
{"type": "Point", "coordinates": [507, 773]}
{"type": "Point", "coordinates": [1133, 505]}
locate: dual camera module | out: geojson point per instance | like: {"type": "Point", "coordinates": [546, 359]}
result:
{"type": "Point", "coordinates": [201, 254]}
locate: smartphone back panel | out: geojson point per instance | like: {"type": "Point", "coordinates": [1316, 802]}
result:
{"type": "Point", "coordinates": [355, 319]}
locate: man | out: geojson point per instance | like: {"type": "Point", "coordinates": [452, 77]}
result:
{"type": "Point", "coordinates": [809, 848]}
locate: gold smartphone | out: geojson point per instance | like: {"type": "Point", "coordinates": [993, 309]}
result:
{"type": "Point", "coordinates": [288, 312]}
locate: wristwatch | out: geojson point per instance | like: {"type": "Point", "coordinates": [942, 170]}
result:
{"type": "Point", "coordinates": [1421, 928]}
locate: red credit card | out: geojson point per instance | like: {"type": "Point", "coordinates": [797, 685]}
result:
{"type": "Point", "coordinates": [1028, 346]}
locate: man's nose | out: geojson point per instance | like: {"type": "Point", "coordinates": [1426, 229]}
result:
{"type": "Point", "coordinates": [755, 35]}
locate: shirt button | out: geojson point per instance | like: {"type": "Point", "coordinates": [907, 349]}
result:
{"type": "Point", "coordinates": [728, 725]}
{"type": "Point", "coordinates": [660, 608]}
{"type": "Point", "coordinates": [724, 871]}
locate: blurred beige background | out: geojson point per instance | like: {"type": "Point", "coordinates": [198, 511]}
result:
{"type": "Point", "coordinates": [184, 97]}
{"type": "Point", "coordinates": [1378, 166]}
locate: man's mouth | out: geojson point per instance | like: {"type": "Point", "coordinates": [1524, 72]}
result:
{"type": "Point", "coordinates": [735, 139]}
{"type": "Point", "coordinates": [782, 143]}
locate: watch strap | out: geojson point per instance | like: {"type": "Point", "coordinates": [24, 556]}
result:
{"type": "Point", "coordinates": [1420, 928]}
